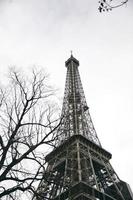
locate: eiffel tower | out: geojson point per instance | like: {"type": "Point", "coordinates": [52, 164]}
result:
{"type": "Point", "coordinates": [79, 168]}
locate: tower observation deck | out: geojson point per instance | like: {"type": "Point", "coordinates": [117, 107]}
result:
{"type": "Point", "coordinates": [79, 168]}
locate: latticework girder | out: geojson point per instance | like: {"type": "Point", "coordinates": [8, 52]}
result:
{"type": "Point", "coordinates": [75, 116]}
{"type": "Point", "coordinates": [79, 168]}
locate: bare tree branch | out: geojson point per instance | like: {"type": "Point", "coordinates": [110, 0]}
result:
{"type": "Point", "coordinates": [27, 125]}
{"type": "Point", "coordinates": [107, 5]}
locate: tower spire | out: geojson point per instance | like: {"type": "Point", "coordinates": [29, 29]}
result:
{"type": "Point", "coordinates": [76, 119]}
{"type": "Point", "coordinates": [71, 53]}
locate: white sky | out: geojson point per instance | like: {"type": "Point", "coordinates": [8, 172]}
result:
{"type": "Point", "coordinates": [42, 32]}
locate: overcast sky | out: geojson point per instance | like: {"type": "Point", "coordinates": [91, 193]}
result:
{"type": "Point", "coordinates": [42, 33]}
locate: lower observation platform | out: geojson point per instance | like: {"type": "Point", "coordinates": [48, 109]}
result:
{"type": "Point", "coordinates": [79, 138]}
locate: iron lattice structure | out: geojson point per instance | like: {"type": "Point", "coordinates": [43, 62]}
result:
{"type": "Point", "coordinates": [76, 119]}
{"type": "Point", "coordinates": [79, 168]}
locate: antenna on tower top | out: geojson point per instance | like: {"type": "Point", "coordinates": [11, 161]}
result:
{"type": "Point", "coordinates": [71, 53]}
